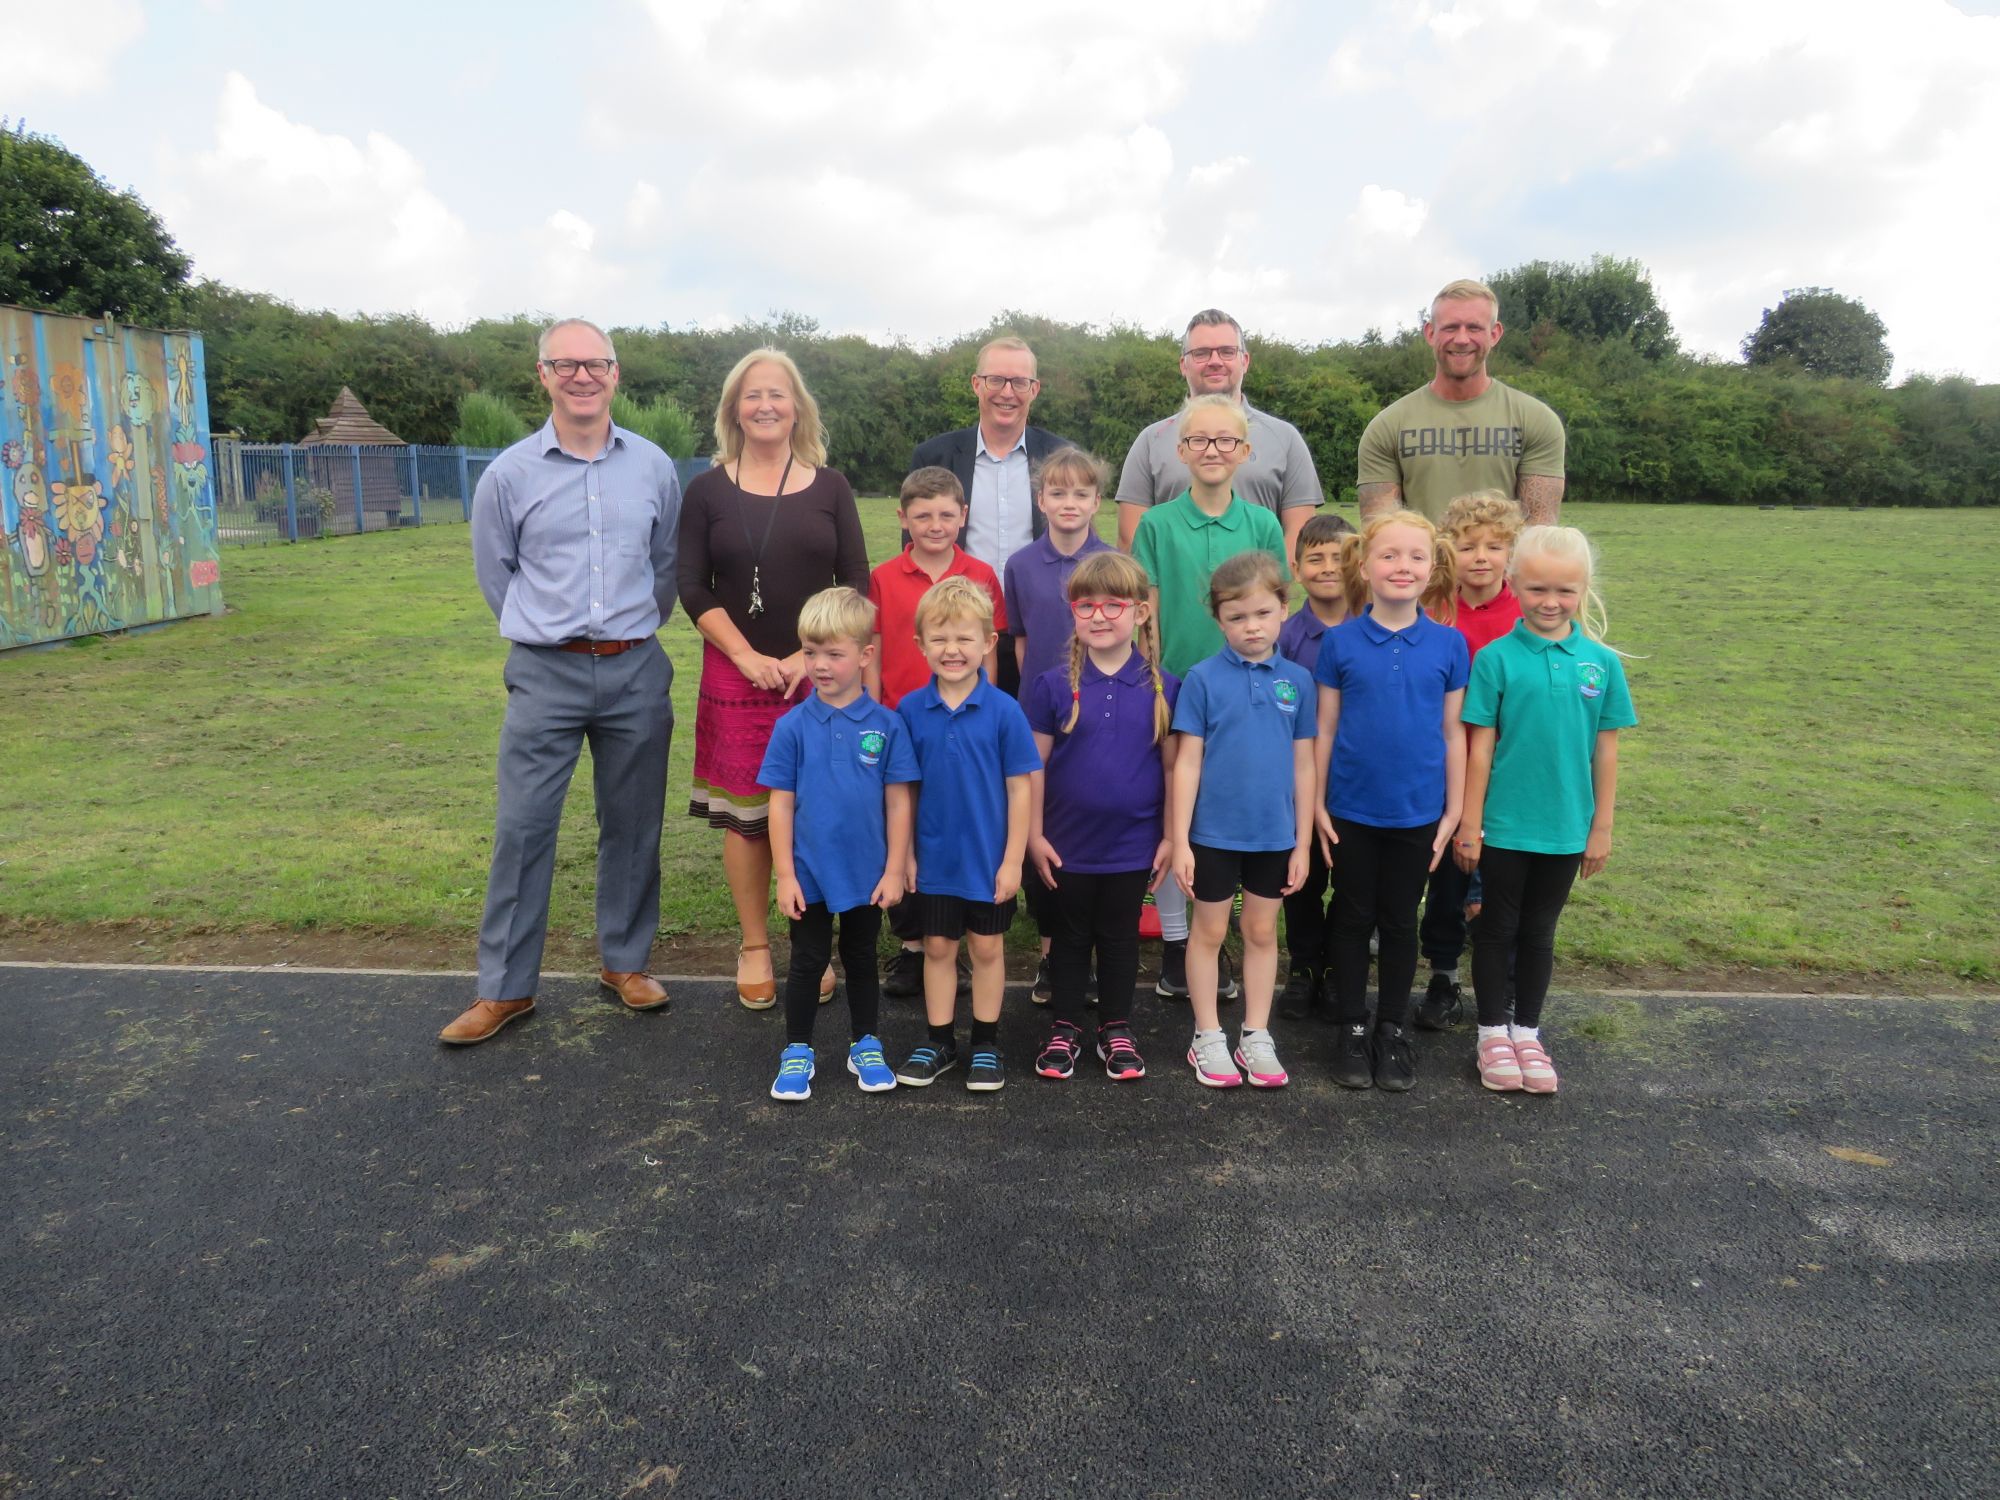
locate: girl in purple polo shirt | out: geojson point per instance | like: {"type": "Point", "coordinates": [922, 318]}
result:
{"type": "Point", "coordinates": [1391, 773]}
{"type": "Point", "coordinates": [1096, 816]}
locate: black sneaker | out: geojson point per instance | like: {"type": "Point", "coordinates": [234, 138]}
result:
{"type": "Point", "coordinates": [927, 1065]}
{"type": "Point", "coordinates": [1057, 1059]}
{"type": "Point", "coordinates": [1226, 987]}
{"type": "Point", "coordinates": [1044, 990]}
{"type": "Point", "coordinates": [1302, 995]}
{"type": "Point", "coordinates": [1352, 1066]}
{"type": "Point", "coordinates": [903, 975]}
{"type": "Point", "coordinates": [1442, 1004]}
{"type": "Point", "coordinates": [1395, 1064]}
{"type": "Point", "coordinates": [1172, 983]}
{"type": "Point", "coordinates": [987, 1073]}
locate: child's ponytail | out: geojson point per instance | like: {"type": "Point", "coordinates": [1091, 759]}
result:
{"type": "Point", "coordinates": [1075, 682]}
{"type": "Point", "coordinates": [1569, 545]}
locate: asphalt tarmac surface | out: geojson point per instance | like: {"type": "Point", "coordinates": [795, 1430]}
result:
{"type": "Point", "coordinates": [265, 1238]}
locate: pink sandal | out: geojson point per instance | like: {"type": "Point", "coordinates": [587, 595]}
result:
{"type": "Point", "coordinates": [1538, 1074]}
{"type": "Point", "coordinates": [1499, 1068]}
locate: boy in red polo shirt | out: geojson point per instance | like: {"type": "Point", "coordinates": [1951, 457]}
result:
{"type": "Point", "coordinates": [1482, 527]}
{"type": "Point", "coordinates": [932, 507]}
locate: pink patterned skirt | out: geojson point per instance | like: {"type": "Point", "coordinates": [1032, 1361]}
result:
{"type": "Point", "coordinates": [733, 719]}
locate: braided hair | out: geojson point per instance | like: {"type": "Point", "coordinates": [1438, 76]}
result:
{"type": "Point", "coordinates": [1114, 575]}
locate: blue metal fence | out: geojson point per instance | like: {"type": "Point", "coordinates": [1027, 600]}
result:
{"type": "Point", "coordinates": [288, 492]}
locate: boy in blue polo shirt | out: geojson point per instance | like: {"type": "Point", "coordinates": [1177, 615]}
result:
{"type": "Point", "coordinates": [976, 756]}
{"type": "Point", "coordinates": [1241, 810]}
{"type": "Point", "coordinates": [839, 767]}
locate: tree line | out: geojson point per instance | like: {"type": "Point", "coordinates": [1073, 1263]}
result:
{"type": "Point", "coordinates": [1805, 418]}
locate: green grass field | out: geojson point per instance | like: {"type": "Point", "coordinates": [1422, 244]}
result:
{"type": "Point", "coordinates": [1813, 786]}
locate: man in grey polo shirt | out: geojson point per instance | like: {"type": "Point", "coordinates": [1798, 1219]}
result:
{"type": "Point", "coordinates": [1279, 474]}
{"type": "Point", "coordinates": [573, 540]}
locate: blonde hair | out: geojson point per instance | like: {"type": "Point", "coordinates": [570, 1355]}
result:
{"type": "Point", "coordinates": [1496, 510]}
{"type": "Point", "coordinates": [1465, 289]}
{"type": "Point", "coordinates": [808, 431]}
{"type": "Point", "coordinates": [1114, 575]}
{"type": "Point", "coordinates": [1244, 574]}
{"type": "Point", "coordinates": [1009, 341]}
{"type": "Point", "coordinates": [1213, 401]}
{"type": "Point", "coordinates": [955, 598]}
{"type": "Point", "coordinates": [1073, 464]}
{"type": "Point", "coordinates": [1567, 544]}
{"type": "Point", "coordinates": [1440, 596]}
{"type": "Point", "coordinates": [836, 614]}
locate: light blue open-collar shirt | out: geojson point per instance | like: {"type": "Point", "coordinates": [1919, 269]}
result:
{"type": "Point", "coordinates": [568, 548]}
{"type": "Point", "coordinates": [1001, 508]}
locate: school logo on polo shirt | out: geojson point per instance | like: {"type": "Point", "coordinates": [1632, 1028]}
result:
{"type": "Point", "coordinates": [1590, 679]}
{"type": "Point", "coordinates": [872, 741]}
{"type": "Point", "coordinates": [1287, 695]}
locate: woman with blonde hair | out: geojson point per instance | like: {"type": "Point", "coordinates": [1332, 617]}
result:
{"type": "Point", "coordinates": [761, 532]}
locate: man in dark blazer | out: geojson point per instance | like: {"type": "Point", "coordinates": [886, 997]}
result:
{"type": "Point", "coordinates": [994, 461]}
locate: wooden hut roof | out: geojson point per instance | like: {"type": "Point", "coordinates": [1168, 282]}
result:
{"type": "Point", "coordinates": [348, 422]}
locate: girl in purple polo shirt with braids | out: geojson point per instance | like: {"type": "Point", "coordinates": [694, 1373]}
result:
{"type": "Point", "coordinates": [1097, 814]}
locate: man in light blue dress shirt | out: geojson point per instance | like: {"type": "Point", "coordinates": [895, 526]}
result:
{"type": "Point", "coordinates": [573, 540]}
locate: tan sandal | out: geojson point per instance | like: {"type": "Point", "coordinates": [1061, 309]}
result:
{"type": "Point", "coordinates": [759, 994]}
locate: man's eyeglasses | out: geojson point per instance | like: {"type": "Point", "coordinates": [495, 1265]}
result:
{"type": "Point", "coordinates": [1111, 609]}
{"type": "Point", "coordinates": [1220, 351]}
{"type": "Point", "coordinates": [1021, 384]}
{"type": "Point", "coordinates": [597, 368]}
{"type": "Point", "coordinates": [1223, 445]}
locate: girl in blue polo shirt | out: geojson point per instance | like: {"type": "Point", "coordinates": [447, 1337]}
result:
{"type": "Point", "coordinates": [1391, 771]}
{"type": "Point", "coordinates": [1241, 810]}
{"type": "Point", "coordinates": [1096, 830]}
{"type": "Point", "coordinates": [1546, 703]}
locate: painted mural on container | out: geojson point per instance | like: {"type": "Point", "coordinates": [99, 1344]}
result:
{"type": "Point", "coordinates": [107, 512]}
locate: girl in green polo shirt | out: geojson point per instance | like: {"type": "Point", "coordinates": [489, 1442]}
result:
{"type": "Point", "coordinates": [1544, 706]}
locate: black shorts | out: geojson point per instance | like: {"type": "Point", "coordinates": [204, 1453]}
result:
{"type": "Point", "coordinates": [954, 916]}
{"type": "Point", "coordinates": [1218, 872]}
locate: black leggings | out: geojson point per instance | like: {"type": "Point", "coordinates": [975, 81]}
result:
{"type": "Point", "coordinates": [1308, 937]}
{"type": "Point", "coordinates": [812, 945]}
{"type": "Point", "coordinates": [1101, 912]}
{"type": "Point", "coordinates": [1517, 929]}
{"type": "Point", "coordinates": [1378, 879]}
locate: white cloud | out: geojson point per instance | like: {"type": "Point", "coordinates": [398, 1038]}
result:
{"type": "Point", "coordinates": [1817, 143]}
{"type": "Point", "coordinates": [1388, 213]}
{"type": "Point", "coordinates": [883, 167]}
{"type": "Point", "coordinates": [317, 217]}
{"type": "Point", "coordinates": [645, 210]}
{"type": "Point", "coordinates": [61, 51]}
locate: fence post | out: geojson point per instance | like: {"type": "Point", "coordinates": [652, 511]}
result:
{"type": "Point", "coordinates": [291, 494]}
{"type": "Point", "coordinates": [416, 494]}
{"type": "Point", "coordinates": [360, 515]}
{"type": "Point", "coordinates": [464, 483]}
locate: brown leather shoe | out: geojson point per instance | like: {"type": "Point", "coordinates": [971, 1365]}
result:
{"type": "Point", "coordinates": [485, 1018]}
{"type": "Point", "coordinates": [639, 991]}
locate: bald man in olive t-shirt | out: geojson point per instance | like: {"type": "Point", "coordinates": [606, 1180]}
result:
{"type": "Point", "coordinates": [1464, 431]}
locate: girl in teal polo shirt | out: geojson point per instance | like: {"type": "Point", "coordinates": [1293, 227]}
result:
{"type": "Point", "coordinates": [1545, 704]}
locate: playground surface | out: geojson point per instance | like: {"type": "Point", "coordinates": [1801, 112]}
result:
{"type": "Point", "coordinates": [267, 1238]}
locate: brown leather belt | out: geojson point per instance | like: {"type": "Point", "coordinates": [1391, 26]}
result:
{"type": "Point", "coordinates": [602, 648]}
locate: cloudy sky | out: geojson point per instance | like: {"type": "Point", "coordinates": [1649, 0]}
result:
{"type": "Point", "coordinates": [909, 169]}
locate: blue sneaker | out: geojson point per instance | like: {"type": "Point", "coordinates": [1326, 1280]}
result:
{"type": "Point", "coordinates": [795, 1074]}
{"type": "Point", "coordinates": [869, 1067]}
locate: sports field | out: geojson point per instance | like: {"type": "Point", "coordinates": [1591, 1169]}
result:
{"type": "Point", "coordinates": [1811, 792]}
